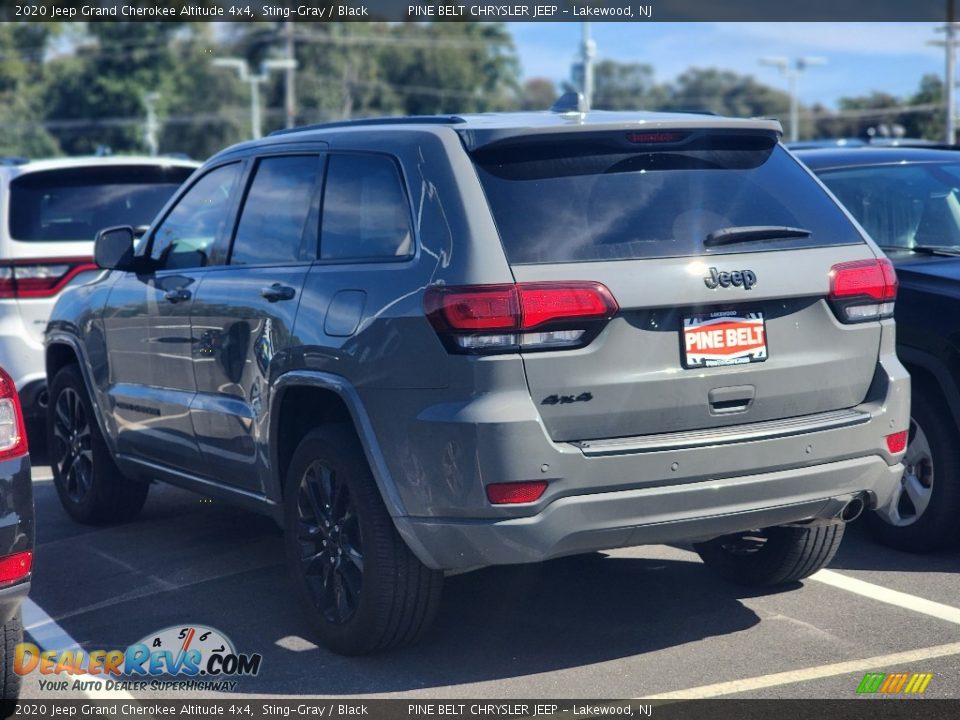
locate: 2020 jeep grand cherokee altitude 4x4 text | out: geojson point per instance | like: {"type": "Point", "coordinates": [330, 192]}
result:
{"type": "Point", "coordinates": [432, 344]}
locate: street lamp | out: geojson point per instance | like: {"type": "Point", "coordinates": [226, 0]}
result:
{"type": "Point", "coordinates": [243, 70]}
{"type": "Point", "coordinates": [792, 70]}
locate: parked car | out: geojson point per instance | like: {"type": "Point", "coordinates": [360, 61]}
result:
{"type": "Point", "coordinates": [50, 211]}
{"type": "Point", "coordinates": [16, 533]}
{"type": "Point", "coordinates": [442, 343]}
{"type": "Point", "coordinates": [908, 200]}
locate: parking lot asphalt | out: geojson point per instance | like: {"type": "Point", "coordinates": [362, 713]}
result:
{"type": "Point", "coordinates": [634, 623]}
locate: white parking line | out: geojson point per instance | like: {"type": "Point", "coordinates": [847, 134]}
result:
{"type": "Point", "coordinates": [859, 587]}
{"type": "Point", "coordinates": [48, 635]}
{"type": "Point", "coordinates": [891, 597]}
{"type": "Point", "coordinates": [813, 673]}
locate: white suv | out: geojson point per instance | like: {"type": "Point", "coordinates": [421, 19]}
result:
{"type": "Point", "coordinates": [50, 211]}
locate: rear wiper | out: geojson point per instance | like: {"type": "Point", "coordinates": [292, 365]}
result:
{"type": "Point", "coordinates": [751, 233]}
{"type": "Point", "coordinates": [934, 250]}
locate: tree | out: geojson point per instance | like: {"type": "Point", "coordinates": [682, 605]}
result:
{"type": "Point", "coordinates": [625, 86]}
{"type": "Point", "coordinates": [451, 67]}
{"type": "Point", "coordinates": [725, 93]}
{"type": "Point", "coordinates": [537, 94]}
{"type": "Point", "coordinates": [22, 48]}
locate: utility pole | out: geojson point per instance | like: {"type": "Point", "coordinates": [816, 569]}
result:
{"type": "Point", "coordinates": [792, 70]}
{"type": "Point", "coordinates": [152, 127]}
{"type": "Point", "coordinates": [290, 95]}
{"type": "Point", "coordinates": [255, 81]}
{"type": "Point", "coordinates": [588, 50]}
{"type": "Point", "coordinates": [949, 45]}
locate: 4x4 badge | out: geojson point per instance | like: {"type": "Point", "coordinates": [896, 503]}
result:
{"type": "Point", "coordinates": [738, 278]}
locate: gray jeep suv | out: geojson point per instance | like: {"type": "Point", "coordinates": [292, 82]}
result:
{"type": "Point", "coordinates": [439, 343]}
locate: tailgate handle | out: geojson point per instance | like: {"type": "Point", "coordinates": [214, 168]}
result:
{"type": "Point", "coordinates": [732, 399]}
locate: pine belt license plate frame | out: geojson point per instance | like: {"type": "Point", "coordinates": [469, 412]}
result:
{"type": "Point", "coordinates": [706, 340]}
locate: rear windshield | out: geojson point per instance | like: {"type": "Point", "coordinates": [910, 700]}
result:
{"type": "Point", "coordinates": [553, 203]}
{"type": "Point", "coordinates": [75, 204]}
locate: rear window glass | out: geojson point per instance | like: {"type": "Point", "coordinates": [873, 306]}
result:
{"type": "Point", "coordinates": [75, 204]}
{"type": "Point", "coordinates": [902, 206]}
{"type": "Point", "coordinates": [594, 202]}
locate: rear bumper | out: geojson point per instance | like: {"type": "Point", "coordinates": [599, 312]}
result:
{"type": "Point", "coordinates": [691, 511]}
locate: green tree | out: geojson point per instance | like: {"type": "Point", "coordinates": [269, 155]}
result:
{"type": "Point", "coordinates": [625, 86]}
{"type": "Point", "coordinates": [22, 48]}
{"type": "Point", "coordinates": [537, 94]}
{"type": "Point", "coordinates": [725, 93]}
{"type": "Point", "coordinates": [451, 67]}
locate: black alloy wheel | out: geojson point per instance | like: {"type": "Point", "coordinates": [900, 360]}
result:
{"type": "Point", "coordinates": [331, 551]}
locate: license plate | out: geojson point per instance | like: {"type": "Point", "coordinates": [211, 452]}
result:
{"type": "Point", "coordinates": [724, 338]}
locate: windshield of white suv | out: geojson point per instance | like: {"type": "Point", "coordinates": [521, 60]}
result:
{"type": "Point", "coordinates": [902, 207]}
{"type": "Point", "coordinates": [567, 204]}
{"type": "Point", "coordinates": [74, 204]}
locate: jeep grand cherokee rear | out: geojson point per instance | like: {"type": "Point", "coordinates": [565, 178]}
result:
{"type": "Point", "coordinates": [434, 344]}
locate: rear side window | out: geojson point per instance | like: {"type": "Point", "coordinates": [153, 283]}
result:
{"type": "Point", "coordinates": [186, 237]}
{"type": "Point", "coordinates": [366, 214]}
{"type": "Point", "coordinates": [75, 204]}
{"type": "Point", "coordinates": [583, 202]}
{"type": "Point", "coordinates": [275, 213]}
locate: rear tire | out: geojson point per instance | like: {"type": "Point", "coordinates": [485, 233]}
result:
{"type": "Point", "coordinates": [924, 514]}
{"type": "Point", "coordinates": [91, 487]}
{"type": "Point", "coordinates": [361, 588]}
{"type": "Point", "coordinates": [11, 635]}
{"type": "Point", "coordinates": [775, 556]}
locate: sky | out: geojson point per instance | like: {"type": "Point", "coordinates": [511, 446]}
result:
{"type": "Point", "coordinates": [861, 57]}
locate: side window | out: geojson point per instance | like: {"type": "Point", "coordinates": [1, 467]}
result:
{"type": "Point", "coordinates": [365, 210]}
{"type": "Point", "coordinates": [275, 213]}
{"type": "Point", "coordinates": [186, 236]}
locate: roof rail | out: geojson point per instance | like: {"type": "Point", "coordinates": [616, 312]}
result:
{"type": "Point", "coordinates": [14, 160]}
{"type": "Point", "coordinates": [404, 120]}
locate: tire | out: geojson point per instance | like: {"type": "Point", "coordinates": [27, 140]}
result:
{"type": "Point", "coordinates": [11, 635]}
{"type": "Point", "coordinates": [91, 487]}
{"type": "Point", "coordinates": [923, 516]}
{"type": "Point", "coordinates": [374, 594]}
{"type": "Point", "coordinates": [775, 556]}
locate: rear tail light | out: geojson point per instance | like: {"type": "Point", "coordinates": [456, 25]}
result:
{"type": "Point", "coordinates": [527, 316]}
{"type": "Point", "coordinates": [897, 442]}
{"type": "Point", "coordinates": [514, 493]}
{"type": "Point", "coordinates": [41, 277]}
{"type": "Point", "coordinates": [863, 290]}
{"type": "Point", "coordinates": [13, 434]}
{"type": "Point", "coordinates": [16, 567]}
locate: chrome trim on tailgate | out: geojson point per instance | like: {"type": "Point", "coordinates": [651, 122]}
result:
{"type": "Point", "coordinates": [724, 435]}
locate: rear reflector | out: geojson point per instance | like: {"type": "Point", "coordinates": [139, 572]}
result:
{"type": "Point", "coordinates": [863, 290]}
{"type": "Point", "coordinates": [496, 318]}
{"type": "Point", "coordinates": [516, 492]}
{"type": "Point", "coordinates": [897, 442]}
{"type": "Point", "coordinates": [43, 277]}
{"type": "Point", "coordinates": [16, 567]}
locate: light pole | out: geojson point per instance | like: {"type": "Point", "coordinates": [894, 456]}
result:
{"type": "Point", "coordinates": [588, 50]}
{"type": "Point", "coordinates": [792, 70]}
{"type": "Point", "coordinates": [243, 70]}
{"type": "Point", "coordinates": [152, 126]}
{"type": "Point", "coordinates": [949, 45]}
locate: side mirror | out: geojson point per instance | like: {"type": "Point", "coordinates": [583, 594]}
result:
{"type": "Point", "coordinates": [113, 248]}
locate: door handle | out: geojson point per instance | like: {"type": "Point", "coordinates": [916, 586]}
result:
{"type": "Point", "coordinates": [278, 292]}
{"type": "Point", "coordinates": [177, 295]}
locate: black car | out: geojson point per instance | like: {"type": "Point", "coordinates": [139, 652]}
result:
{"type": "Point", "coordinates": [908, 199]}
{"type": "Point", "coordinates": [16, 534]}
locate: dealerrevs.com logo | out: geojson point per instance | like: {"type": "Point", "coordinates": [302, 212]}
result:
{"type": "Point", "coordinates": [188, 657]}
